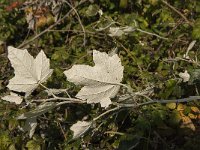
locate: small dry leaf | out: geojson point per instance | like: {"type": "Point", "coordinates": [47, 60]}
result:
{"type": "Point", "coordinates": [195, 109]}
{"type": "Point", "coordinates": [29, 72]}
{"type": "Point", "coordinates": [13, 98]}
{"type": "Point", "coordinates": [80, 128]}
{"type": "Point", "coordinates": [101, 82]}
{"type": "Point", "coordinates": [192, 116]}
{"type": "Point", "coordinates": [180, 107]}
{"type": "Point", "coordinates": [185, 76]}
{"type": "Point", "coordinates": [171, 105]}
{"type": "Point", "coordinates": [187, 123]}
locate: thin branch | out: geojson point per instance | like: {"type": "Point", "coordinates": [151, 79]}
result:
{"type": "Point", "coordinates": [184, 59]}
{"type": "Point", "coordinates": [79, 20]}
{"type": "Point", "coordinates": [113, 132]}
{"type": "Point", "coordinates": [178, 12]}
{"type": "Point", "coordinates": [50, 27]}
{"type": "Point", "coordinates": [44, 31]}
{"type": "Point", "coordinates": [64, 135]}
{"type": "Point", "coordinates": [106, 112]}
{"type": "Point", "coordinates": [48, 90]}
{"type": "Point", "coordinates": [70, 102]}
{"type": "Point", "coordinates": [140, 30]}
{"type": "Point", "coordinates": [189, 99]}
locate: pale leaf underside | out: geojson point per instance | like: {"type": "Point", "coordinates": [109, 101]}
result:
{"type": "Point", "coordinates": [80, 128]}
{"type": "Point", "coordinates": [13, 98]}
{"type": "Point", "coordinates": [29, 72]}
{"type": "Point", "coordinates": [101, 82]}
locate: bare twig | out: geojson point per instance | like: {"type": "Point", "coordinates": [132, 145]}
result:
{"type": "Point", "coordinates": [50, 27]}
{"type": "Point", "coordinates": [44, 31]}
{"type": "Point", "coordinates": [178, 12]}
{"type": "Point", "coordinates": [62, 131]}
{"type": "Point", "coordinates": [184, 59]}
{"type": "Point", "coordinates": [140, 30]}
{"type": "Point", "coordinates": [189, 99]}
{"type": "Point", "coordinates": [48, 90]}
{"type": "Point", "coordinates": [106, 112]}
{"type": "Point", "coordinates": [79, 20]}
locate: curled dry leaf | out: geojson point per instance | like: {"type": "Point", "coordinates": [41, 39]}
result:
{"type": "Point", "coordinates": [29, 72]}
{"type": "Point", "coordinates": [13, 98]}
{"type": "Point", "coordinates": [101, 82]}
{"type": "Point", "coordinates": [185, 76]}
{"type": "Point", "coordinates": [80, 128]}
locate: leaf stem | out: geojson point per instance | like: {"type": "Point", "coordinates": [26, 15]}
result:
{"type": "Point", "coordinates": [106, 112]}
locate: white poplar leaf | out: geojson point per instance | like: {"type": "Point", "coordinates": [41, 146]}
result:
{"type": "Point", "coordinates": [29, 72]}
{"type": "Point", "coordinates": [13, 98]}
{"type": "Point", "coordinates": [101, 82]}
{"type": "Point", "coordinates": [30, 126]}
{"type": "Point", "coordinates": [80, 128]}
{"type": "Point", "coordinates": [185, 76]}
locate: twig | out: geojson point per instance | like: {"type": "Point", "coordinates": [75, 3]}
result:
{"type": "Point", "coordinates": [50, 27]}
{"type": "Point", "coordinates": [78, 31]}
{"type": "Point", "coordinates": [129, 53]}
{"type": "Point", "coordinates": [62, 131]}
{"type": "Point", "coordinates": [44, 31]}
{"type": "Point", "coordinates": [106, 112]}
{"type": "Point", "coordinates": [178, 12]}
{"type": "Point", "coordinates": [70, 102]}
{"type": "Point", "coordinates": [79, 20]}
{"type": "Point", "coordinates": [140, 30]}
{"type": "Point", "coordinates": [113, 132]}
{"type": "Point", "coordinates": [189, 99]}
{"type": "Point", "coordinates": [184, 59]}
{"type": "Point", "coordinates": [48, 90]}
{"type": "Point", "coordinates": [59, 98]}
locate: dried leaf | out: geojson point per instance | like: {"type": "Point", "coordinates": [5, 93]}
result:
{"type": "Point", "coordinates": [195, 109]}
{"type": "Point", "coordinates": [101, 82]}
{"type": "Point", "coordinates": [80, 128]}
{"type": "Point", "coordinates": [171, 105]}
{"type": "Point", "coordinates": [180, 107]}
{"type": "Point", "coordinates": [187, 123]}
{"type": "Point", "coordinates": [192, 116]}
{"type": "Point", "coordinates": [29, 72]}
{"type": "Point", "coordinates": [13, 98]}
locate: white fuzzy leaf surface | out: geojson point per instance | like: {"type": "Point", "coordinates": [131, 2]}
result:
{"type": "Point", "coordinates": [101, 82]}
{"type": "Point", "coordinates": [80, 128]}
{"type": "Point", "coordinates": [14, 98]}
{"type": "Point", "coordinates": [29, 72]}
